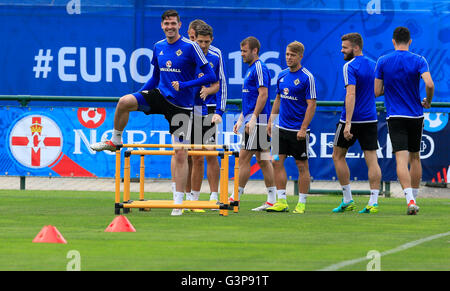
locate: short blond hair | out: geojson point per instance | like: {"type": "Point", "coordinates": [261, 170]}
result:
{"type": "Point", "coordinates": [296, 47]}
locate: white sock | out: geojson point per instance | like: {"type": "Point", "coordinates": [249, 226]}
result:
{"type": "Point", "coordinates": [116, 137]}
{"type": "Point", "coordinates": [189, 196]}
{"type": "Point", "coordinates": [272, 195]}
{"type": "Point", "coordinates": [195, 195]}
{"type": "Point", "coordinates": [178, 199]}
{"type": "Point", "coordinates": [409, 195]}
{"type": "Point", "coordinates": [415, 191]}
{"type": "Point", "coordinates": [373, 197]}
{"type": "Point", "coordinates": [347, 193]}
{"type": "Point", "coordinates": [302, 197]}
{"type": "Point", "coordinates": [281, 194]}
{"type": "Point", "coordinates": [214, 196]}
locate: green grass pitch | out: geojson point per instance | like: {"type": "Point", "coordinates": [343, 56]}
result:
{"type": "Point", "coordinates": [246, 241]}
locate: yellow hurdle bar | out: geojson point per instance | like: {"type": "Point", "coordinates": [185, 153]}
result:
{"type": "Point", "coordinates": [117, 181]}
{"type": "Point", "coordinates": [236, 183]}
{"type": "Point", "coordinates": [184, 146]}
{"type": "Point", "coordinates": [171, 204]}
{"type": "Point", "coordinates": [141, 179]}
{"type": "Point", "coordinates": [126, 179]}
{"type": "Point", "coordinates": [169, 153]}
{"type": "Point", "coordinates": [224, 193]}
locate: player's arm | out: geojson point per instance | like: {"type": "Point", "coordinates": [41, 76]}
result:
{"type": "Point", "coordinates": [263, 94]}
{"type": "Point", "coordinates": [309, 114]}
{"type": "Point", "coordinates": [221, 96]}
{"type": "Point", "coordinates": [379, 77]}
{"type": "Point", "coordinates": [429, 88]}
{"type": "Point", "coordinates": [349, 109]}
{"type": "Point", "coordinates": [153, 82]}
{"type": "Point", "coordinates": [206, 91]}
{"type": "Point", "coordinates": [273, 113]}
{"type": "Point", "coordinates": [379, 87]}
{"type": "Point", "coordinates": [238, 124]}
{"type": "Point", "coordinates": [207, 78]}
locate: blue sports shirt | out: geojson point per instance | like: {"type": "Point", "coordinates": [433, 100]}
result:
{"type": "Point", "coordinates": [214, 62]}
{"type": "Point", "coordinates": [177, 62]}
{"type": "Point", "coordinates": [360, 71]}
{"type": "Point", "coordinates": [400, 72]}
{"type": "Point", "coordinates": [294, 89]}
{"type": "Point", "coordinates": [257, 75]}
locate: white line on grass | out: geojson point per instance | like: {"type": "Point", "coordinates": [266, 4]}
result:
{"type": "Point", "coordinates": [403, 247]}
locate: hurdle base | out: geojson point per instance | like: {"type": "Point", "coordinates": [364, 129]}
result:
{"type": "Point", "coordinates": [126, 206]}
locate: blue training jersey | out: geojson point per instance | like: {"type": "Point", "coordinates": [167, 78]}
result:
{"type": "Point", "coordinates": [400, 72]}
{"type": "Point", "coordinates": [294, 89]}
{"type": "Point", "coordinates": [201, 104]}
{"type": "Point", "coordinates": [257, 75]}
{"type": "Point", "coordinates": [360, 71]}
{"type": "Point", "coordinates": [178, 62]}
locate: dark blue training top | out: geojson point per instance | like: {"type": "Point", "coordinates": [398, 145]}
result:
{"type": "Point", "coordinates": [400, 72]}
{"type": "Point", "coordinates": [360, 71]}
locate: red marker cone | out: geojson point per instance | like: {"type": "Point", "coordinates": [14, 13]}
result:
{"type": "Point", "coordinates": [120, 224]}
{"type": "Point", "coordinates": [49, 234]}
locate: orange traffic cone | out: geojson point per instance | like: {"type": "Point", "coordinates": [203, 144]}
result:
{"type": "Point", "coordinates": [49, 234]}
{"type": "Point", "coordinates": [120, 224]}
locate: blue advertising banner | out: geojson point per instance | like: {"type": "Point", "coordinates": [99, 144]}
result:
{"type": "Point", "coordinates": [54, 141]}
{"type": "Point", "coordinates": [104, 48]}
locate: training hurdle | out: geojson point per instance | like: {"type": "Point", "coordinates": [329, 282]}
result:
{"type": "Point", "coordinates": [193, 150]}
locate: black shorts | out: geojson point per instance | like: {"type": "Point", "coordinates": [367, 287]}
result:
{"type": "Point", "coordinates": [285, 142]}
{"type": "Point", "coordinates": [365, 133]}
{"type": "Point", "coordinates": [405, 133]}
{"type": "Point", "coordinates": [180, 119]}
{"type": "Point", "coordinates": [257, 140]}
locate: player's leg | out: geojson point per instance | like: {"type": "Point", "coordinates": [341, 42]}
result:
{"type": "Point", "coordinates": [280, 178]}
{"type": "Point", "coordinates": [398, 133]}
{"type": "Point", "coordinates": [264, 160]}
{"type": "Point", "coordinates": [304, 180]}
{"type": "Point", "coordinates": [245, 157]}
{"type": "Point", "coordinates": [180, 127]}
{"type": "Point", "coordinates": [213, 174]}
{"type": "Point", "coordinates": [415, 167]}
{"type": "Point", "coordinates": [374, 175]}
{"type": "Point", "coordinates": [248, 149]}
{"type": "Point", "coordinates": [340, 148]}
{"type": "Point", "coordinates": [125, 105]}
{"type": "Point", "coordinates": [367, 134]}
{"type": "Point", "coordinates": [343, 174]}
{"type": "Point", "coordinates": [415, 170]}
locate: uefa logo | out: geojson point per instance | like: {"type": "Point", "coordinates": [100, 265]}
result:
{"type": "Point", "coordinates": [36, 141]}
{"type": "Point", "coordinates": [91, 117]}
{"type": "Point", "coordinates": [434, 122]}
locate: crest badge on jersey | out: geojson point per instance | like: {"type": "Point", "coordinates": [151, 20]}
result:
{"type": "Point", "coordinates": [296, 82]}
{"type": "Point", "coordinates": [178, 52]}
